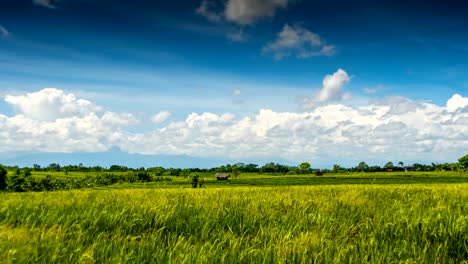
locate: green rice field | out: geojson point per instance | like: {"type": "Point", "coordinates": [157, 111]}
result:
{"type": "Point", "coordinates": [300, 222]}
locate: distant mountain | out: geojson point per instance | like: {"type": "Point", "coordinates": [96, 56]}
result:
{"type": "Point", "coordinates": [116, 157]}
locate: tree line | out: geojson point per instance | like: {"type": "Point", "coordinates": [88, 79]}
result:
{"type": "Point", "coordinates": [271, 167]}
{"type": "Point", "coordinates": [19, 179]}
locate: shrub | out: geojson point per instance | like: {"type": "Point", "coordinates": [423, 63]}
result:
{"type": "Point", "coordinates": [3, 176]}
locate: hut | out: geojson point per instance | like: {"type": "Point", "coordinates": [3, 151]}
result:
{"type": "Point", "coordinates": [222, 176]}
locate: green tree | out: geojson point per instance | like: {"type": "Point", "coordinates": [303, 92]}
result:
{"type": "Point", "coordinates": [3, 176]}
{"type": "Point", "coordinates": [463, 161]}
{"type": "Point", "coordinates": [304, 167]}
{"type": "Point", "coordinates": [401, 164]}
{"type": "Point", "coordinates": [336, 168]}
{"type": "Point", "coordinates": [235, 170]}
{"type": "Point", "coordinates": [389, 165]}
{"type": "Point", "coordinates": [362, 166]}
{"type": "Point", "coordinates": [195, 181]}
{"type": "Point", "coordinates": [185, 173]}
{"type": "Point", "coordinates": [27, 172]}
{"type": "Point", "coordinates": [36, 167]}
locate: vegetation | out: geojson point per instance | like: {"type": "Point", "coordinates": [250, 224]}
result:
{"type": "Point", "coordinates": [271, 214]}
{"type": "Point", "coordinates": [3, 178]}
{"type": "Point", "coordinates": [321, 224]}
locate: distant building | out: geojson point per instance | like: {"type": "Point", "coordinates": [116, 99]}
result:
{"type": "Point", "coordinates": [222, 176]}
{"type": "Point", "coordinates": [409, 168]}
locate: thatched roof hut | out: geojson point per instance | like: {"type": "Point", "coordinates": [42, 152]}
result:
{"type": "Point", "coordinates": [222, 176]}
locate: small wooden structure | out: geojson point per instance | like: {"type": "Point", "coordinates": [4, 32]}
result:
{"type": "Point", "coordinates": [222, 176]}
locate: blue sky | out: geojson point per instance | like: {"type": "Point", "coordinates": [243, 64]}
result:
{"type": "Point", "coordinates": [141, 58]}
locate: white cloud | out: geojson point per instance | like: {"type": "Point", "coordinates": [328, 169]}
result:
{"type": "Point", "coordinates": [297, 41]}
{"type": "Point", "coordinates": [456, 102]}
{"type": "Point", "coordinates": [160, 117]}
{"type": "Point", "coordinates": [206, 10]}
{"type": "Point", "coordinates": [241, 12]}
{"type": "Point", "coordinates": [51, 104]}
{"type": "Point", "coordinates": [52, 121]}
{"type": "Point", "coordinates": [45, 3]}
{"type": "Point", "coordinates": [395, 128]}
{"type": "Point", "coordinates": [336, 132]}
{"type": "Point", "coordinates": [4, 33]}
{"type": "Point", "coordinates": [331, 91]}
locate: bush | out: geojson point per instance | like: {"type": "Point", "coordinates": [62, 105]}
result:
{"type": "Point", "coordinates": [3, 177]}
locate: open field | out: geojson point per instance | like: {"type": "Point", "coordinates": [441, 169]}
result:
{"type": "Point", "coordinates": [256, 179]}
{"type": "Point", "coordinates": [356, 223]}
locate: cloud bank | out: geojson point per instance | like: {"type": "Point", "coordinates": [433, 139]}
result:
{"type": "Point", "coordinates": [394, 128]}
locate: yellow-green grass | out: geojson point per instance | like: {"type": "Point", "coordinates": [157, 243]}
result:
{"type": "Point", "coordinates": [302, 224]}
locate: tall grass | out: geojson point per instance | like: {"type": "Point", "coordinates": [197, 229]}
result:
{"type": "Point", "coordinates": [322, 224]}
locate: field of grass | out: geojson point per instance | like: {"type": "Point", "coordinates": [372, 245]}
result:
{"type": "Point", "coordinates": [370, 223]}
{"type": "Point", "coordinates": [256, 179]}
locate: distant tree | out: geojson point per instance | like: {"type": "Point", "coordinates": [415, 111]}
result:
{"type": "Point", "coordinates": [195, 181]}
{"type": "Point", "coordinates": [304, 167]}
{"type": "Point", "coordinates": [336, 168]}
{"type": "Point", "coordinates": [374, 169]}
{"type": "Point", "coordinates": [158, 171]}
{"type": "Point", "coordinates": [27, 172]}
{"type": "Point", "coordinates": [455, 166]}
{"type": "Point", "coordinates": [269, 168]}
{"type": "Point", "coordinates": [36, 167]}
{"type": "Point", "coordinates": [401, 164]}
{"type": "Point", "coordinates": [418, 166]}
{"type": "Point", "coordinates": [221, 168]}
{"type": "Point", "coordinates": [235, 170]}
{"type": "Point", "coordinates": [362, 166]}
{"type": "Point", "coordinates": [251, 167]}
{"type": "Point", "coordinates": [143, 176]}
{"type": "Point", "coordinates": [185, 173]}
{"type": "Point", "coordinates": [54, 167]}
{"type": "Point", "coordinates": [463, 161]}
{"type": "Point", "coordinates": [389, 165]}
{"type": "Point", "coordinates": [3, 177]}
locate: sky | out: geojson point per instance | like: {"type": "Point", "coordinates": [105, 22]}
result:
{"type": "Point", "coordinates": [208, 82]}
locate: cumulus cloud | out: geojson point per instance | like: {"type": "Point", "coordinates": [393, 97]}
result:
{"type": "Point", "coordinates": [160, 117]}
{"type": "Point", "coordinates": [297, 41]}
{"type": "Point", "coordinates": [241, 12]}
{"type": "Point", "coordinates": [45, 3]}
{"type": "Point", "coordinates": [334, 131]}
{"type": "Point", "coordinates": [456, 102]}
{"type": "Point", "coordinates": [51, 120]}
{"type": "Point", "coordinates": [51, 104]}
{"type": "Point", "coordinates": [395, 128]}
{"type": "Point", "coordinates": [4, 33]}
{"type": "Point", "coordinates": [331, 91]}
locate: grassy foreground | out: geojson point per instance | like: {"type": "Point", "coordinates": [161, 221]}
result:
{"type": "Point", "coordinates": [323, 224]}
